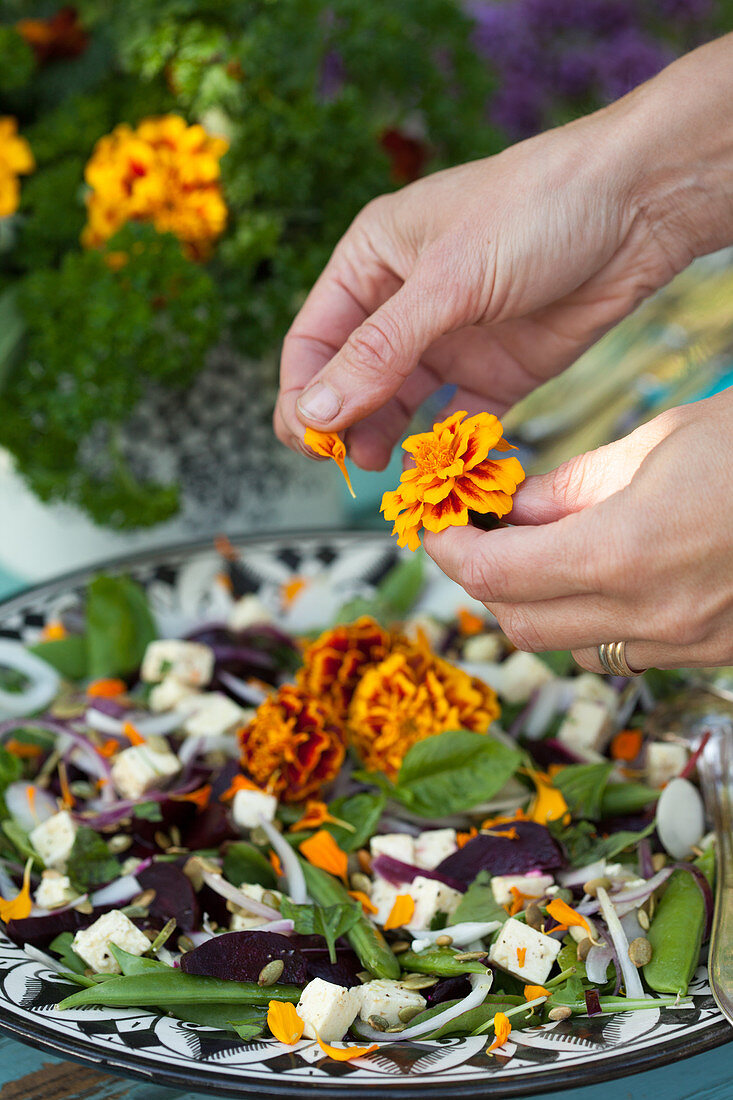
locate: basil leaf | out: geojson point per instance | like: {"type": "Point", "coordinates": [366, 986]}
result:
{"type": "Point", "coordinates": [582, 787]}
{"type": "Point", "coordinates": [61, 946]}
{"type": "Point", "coordinates": [330, 922]}
{"type": "Point", "coordinates": [569, 993]}
{"type": "Point", "coordinates": [67, 655]}
{"type": "Point", "coordinates": [246, 1031]}
{"type": "Point", "coordinates": [91, 863]}
{"type": "Point", "coordinates": [453, 771]}
{"type": "Point", "coordinates": [396, 593]}
{"type": "Point", "coordinates": [220, 1016]}
{"type": "Point", "coordinates": [363, 811]}
{"type": "Point", "coordinates": [148, 811]}
{"type": "Point", "coordinates": [627, 798]}
{"type": "Point", "coordinates": [243, 863]}
{"type": "Point", "coordinates": [478, 903]}
{"type": "Point", "coordinates": [119, 626]}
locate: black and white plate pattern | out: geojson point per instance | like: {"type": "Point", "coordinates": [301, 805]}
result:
{"type": "Point", "coordinates": [183, 590]}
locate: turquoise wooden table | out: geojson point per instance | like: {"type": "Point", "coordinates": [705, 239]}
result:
{"type": "Point", "coordinates": [28, 1074]}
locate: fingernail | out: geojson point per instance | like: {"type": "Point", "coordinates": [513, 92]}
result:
{"type": "Point", "coordinates": [319, 402]}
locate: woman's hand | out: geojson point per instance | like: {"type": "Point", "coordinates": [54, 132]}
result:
{"type": "Point", "coordinates": [631, 542]}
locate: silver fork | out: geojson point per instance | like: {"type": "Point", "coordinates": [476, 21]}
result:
{"type": "Point", "coordinates": [708, 709]}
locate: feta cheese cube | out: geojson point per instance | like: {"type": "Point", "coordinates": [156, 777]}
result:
{"type": "Point", "coordinates": [249, 806]}
{"type": "Point", "coordinates": [54, 838]}
{"type": "Point", "coordinates": [433, 846]}
{"type": "Point", "coordinates": [517, 941]}
{"type": "Point", "coordinates": [54, 890]}
{"type": "Point", "coordinates": [521, 674]}
{"type": "Point", "coordinates": [594, 689]}
{"type": "Point", "coordinates": [190, 662]}
{"type": "Point", "coordinates": [383, 897]}
{"type": "Point", "coordinates": [388, 999]}
{"type": "Point", "coordinates": [142, 768]}
{"type": "Point", "coordinates": [171, 693]}
{"type": "Point", "coordinates": [327, 1010]}
{"type": "Point", "coordinates": [92, 944]}
{"type": "Point", "coordinates": [246, 612]}
{"type": "Point", "coordinates": [431, 897]}
{"type": "Point", "coordinates": [664, 761]}
{"type": "Point", "coordinates": [213, 714]}
{"type": "Point", "coordinates": [242, 920]}
{"type": "Point", "coordinates": [531, 886]}
{"type": "Point", "coordinates": [397, 845]}
{"type": "Point", "coordinates": [483, 648]}
{"type": "Point", "coordinates": [586, 727]}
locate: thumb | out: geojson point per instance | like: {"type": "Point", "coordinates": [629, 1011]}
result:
{"type": "Point", "coordinates": [379, 355]}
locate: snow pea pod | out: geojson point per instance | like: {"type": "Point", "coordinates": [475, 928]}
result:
{"type": "Point", "coordinates": [170, 987]}
{"type": "Point", "coordinates": [441, 961]}
{"type": "Point", "coordinates": [677, 930]}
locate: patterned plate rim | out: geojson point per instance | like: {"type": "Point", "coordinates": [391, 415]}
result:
{"type": "Point", "coordinates": [44, 1036]}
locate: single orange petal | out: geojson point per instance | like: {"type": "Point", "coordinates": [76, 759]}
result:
{"type": "Point", "coordinates": [502, 1031]}
{"type": "Point", "coordinates": [345, 1054]}
{"type": "Point", "coordinates": [451, 512]}
{"type": "Point", "coordinates": [463, 838]}
{"type": "Point", "coordinates": [564, 914]}
{"type": "Point", "coordinates": [110, 747]}
{"type": "Point", "coordinates": [54, 631]}
{"type": "Point", "coordinates": [401, 913]}
{"type": "Point", "coordinates": [200, 797]}
{"type": "Point", "coordinates": [107, 688]}
{"type": "Point", "coordinates": [276, 864]}
{"type": "Point", "coordinates": [438, 492]}
{"type": "Point", "coordinates": [548, 803]}
{"type": "Point", "coordinates": [532, 992]}
{"type": "Point", "coordinates": [468, 622]}
{"type": "Point", "coordinates": [626, 745]}
{"type": "Point", "coordinates": [521, 955]}
{"type": "Point", "coordinates": [132, 734]}
{"type": "Point", "coordinates": [19, 907]}
{"type": "Point", "coordinates": [290, 590]}
{"type": "Point", "coordinates": [284, 1022]}
{"type": "Point", "coordinates": [364, 900]}
{"type": "Point", "coordinates": [67, 797]}
{"type": "Point", "coordinates": [239, 783]}
{"type": "Point", "coordinates": [22, 749]}
{"type": "Point", "coordinates": [328, 445]}
{"type": "Point", "coordinates": [322, 851]}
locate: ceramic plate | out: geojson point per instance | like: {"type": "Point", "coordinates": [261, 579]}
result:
{"type": "Point", "coordinates": [182, 587]}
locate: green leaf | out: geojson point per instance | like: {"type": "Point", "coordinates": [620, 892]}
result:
{"type": "Point", "coordinates": [61, 946]}
{"type": "Point", "coordinates": [220, 1016]}
{"type": "Point", "coordinates": [478, 903]}
{"type": "Point", "coordinates": [363, 811]}
{"type": "Point", "coordinates": [18, 837]}
{"type": "Point", "coordinates": [91, 863]}
{"type": "Point", "coordinates": [11, 769]}
{"type": "Point", "coordinates": [627, 798]}
{"type": "Point", "coordinates": [568, 957]}
{"type": "Point", "coordinates": [330, 922]}
{"type": "Point", "coordinates": [247, 1031]}
{"type": "Point", "coordinates": [243, 863]}
{"type": "Point", "coordinates": [135, 964]}
{"type": "Point", "coordinates": [582, 786]}
{"type": "Point", "coordinates": [119, 626]}
{"type": "Point", "coordinates": [148, 811]}
{"type": "Point", "coordinates": [559, 660]}
{"type": "Point", "coordinates": [453, 771]}
{"type": "Point", "coordinates": [395, 595]}
{"type": "Point", "coordinates": [569, 993]}
{"type": "Point", "coordinates": [67, 655]}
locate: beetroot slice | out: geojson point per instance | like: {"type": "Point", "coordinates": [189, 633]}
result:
{"type": "Point", "coordinates": [241, 956]}
{"type": "Point", "coordinates": [174, 895]}
{"type": "Point", "coordinates": [533, 849]}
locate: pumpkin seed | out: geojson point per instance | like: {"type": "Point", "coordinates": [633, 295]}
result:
{"type": "Point", "coordinates": [640, 951]}
{"type": "Point", "coordinates": [562, 1012]}
{"type": "Point", "coordinates": [271, 972]}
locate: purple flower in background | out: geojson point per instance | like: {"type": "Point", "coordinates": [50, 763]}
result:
{"type": "Point", "coordinates": [518, 108]}
{"type": "Point", "coordinates": [576, 74]}
{"type": "Point", "coordinates": [333, 76]}
{"type": "Point", "coordinates": [629, 59]}
{"type": "Point", "coordinates": [686, 11]}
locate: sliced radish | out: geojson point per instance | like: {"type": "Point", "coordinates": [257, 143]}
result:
{"type": "Point", "coordinates": [680, 818]}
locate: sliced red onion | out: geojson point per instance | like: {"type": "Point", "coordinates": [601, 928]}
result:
{"type": "Point", "coordinates": [596, 964]}
{"type": "Point", "coordinates": [705, 890]}
{"type": "Point", "coordinates": [197, 938]}
{"type": "Point", "coordinates": [147, 725]}
{"type": "Point", "coordinates": [250, 694]}
{"type": "Point", "coordinates": [220, 886]}
{"type": "Point", "coordinates": [577, 876]}
{"type": "Point", "coordinates": [632, 898]}
{"type": "Point", "coordinates": [43, 686]}
{"type": "Point", "coordinates": [396, 872]}
{"type": "Point", "coordinates": [196, 746]}
{"type": "Point", "coordinates": [461, 934]}
{"type": "Point", "coordinates": [481, 984]}
{"type": "Point", "coordinates": [592, 1002]}
{"type": "Point", "coordinates": [39, 911]}
{"type": "Point", "coordinates": [630, 924]}
{"type": "Point", "coordinates": [123, 808]}
{"type": "Point", "coordinates": [646, 867]}
{"type": "Point", "coordinates": [552, 697]}
{"type": "Point", "coordinates": [118, 892]}
{"type": "Point", "coordinates": [284, 927]}
{"type": "Point", "coordinates": [29, 812]}
{"type": "Point", "coordinates": [632, 981]}
{"type": "Point", "coordinates": [293, 872]}
{"type": "Point", "coordinates": [604, 936]}
{"type": "Point", "coordinates": [680, 818]}
{"type": "Point", "coordinates": [388, 823]}
{"type": "Point", "coordinates": [691, 764]}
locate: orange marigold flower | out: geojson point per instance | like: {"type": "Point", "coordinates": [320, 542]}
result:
{"type": "Point", "coordinates": [452, 474]}
{"type": "Point", "coordinates": [334, 663]}
{"type": "Point", "coordinates": [292, 747]}
{"type": "Point", "coordinates": [59, 36]}
{"type": "Point", "coordinates": [329, 445]}
{"type": "Point", "coordinates": [16, 159]}
{"type": "Point", "coordinates": [411, 695]}
{"type": "Point", "coordinates": [163, 172]}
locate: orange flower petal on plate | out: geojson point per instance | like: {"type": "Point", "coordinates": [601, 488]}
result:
{"type": "Point", "coordinates": [132, 734]}
{"type": "Point", "coordinates": [532, 992]}
{"type": "Point", "coordinates": [345, 1054]}
{"type": "Point", "coordinates": [328, 445]}
{"type": "Point", "coordinates": [565, 915]}
{"type": "Point", "coordinates": [109, 688]}
{"type": "Point", "coordinates": [322, 851]}
{"type": "Point", "coordinates": [23, 749]}
{"type": "Point", "coordinates": [53, 631]}
{"type": "Point", "coordinates": [401, 913]}
{"type": "Point", "coordinates": [469, 623]}
{"type": "Point", "coordinates": [19, 907]}
{"type": "Point", "coordinates": [548, 803]}
{"type": "Point", "coordinates": [284, 1022]}
{"type": "Point", "coordinates": [626, 745]}
{"type": "Point", "coordinates": [239, 783]}
{"type": "Point", "coordinates": [502, 1031]}
{"type": "Point", "coordinates": [276, 864]}
{"type": "Point", "coordinates": [199, 798]}
{"type": "Point", "coordinates": [365, 901]}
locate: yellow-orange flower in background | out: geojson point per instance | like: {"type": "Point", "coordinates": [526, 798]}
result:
{"type": "Point", "coordinates": [412, 695]}
{"type": "Point", "coordinates": [452, 475]}
{"type": "Point", "coordinates": [292, 747]}
{"type": "Point", "coordinates": [335, 661]}
{"type": "Point", "coordinates": [16, 159]}
{"type": "Point", "coordinates": [59, 36]}
{"type": "Point", "coordinates": [329, 445]}
{"type": "Point", "coordinates": [164, 172]}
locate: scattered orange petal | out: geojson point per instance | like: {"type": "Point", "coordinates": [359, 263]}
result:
{"type": "Point", "coordinates": [316, 813]}
{"type": "Point", "coordinates": [532, 992]}
{"type": "Point", "coordinates": [345, 1054]}
{"type": "Point", "coordinates": [548, 803]}
{"type": "Point", "coordinates": [508, 834]}
{"type": "Point", "coordinates": [19, 907]}
{"type": "Point", "coordinates": [521, 955]}
{"type": "Point", "coordinates": [519, 901]}
{"type": "Point", "coordinates": [30, 793]}
{"type": "Point", "coordinates": [23, 749]}
{"type": "Point", "coordinates": [276, 864]}
{"type": "Point", "coordinates": [504, 819]}
{"type": "Point", "coordinates": [107, 688]}
{"type": "Point", "coordinates": [67, 797]}
{"type": "Point", "coordinates": [322, 851]}
{"type": "Point", "coordinates": [401, 913]}
{"type": "Point", "coordinates": [109, 748]}
{"type": "Point", "coordinates": [328, 445]}
{"type": "Point", "coordinates": [284, 1022]}
{"type": "Point", "coordinates": [132, 734]}
{"type": "Point", "coordinates": [469, 623]}
{"type": "Point", "coordinates": [566, 916]}
{"type": "Point", "coordinates": [290, 590]}
{"type": "Point", "coordinates": [502, 1031]}
{"type": "Point", "coordinates": [463, 838]}
{"type": "Point", "coordinates": [239, 783]}
{"type": "Point", "coordinates": [626, 745]}
{"type": "Point", "coordinates": [54, 631]}
{"type": "Point", "coordinates": [200, 797]}
{"type": "Point", "coordinates": [366, 902]}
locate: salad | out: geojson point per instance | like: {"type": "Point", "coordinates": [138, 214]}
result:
{"type": "Point", "coordinates": [395, 828]}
